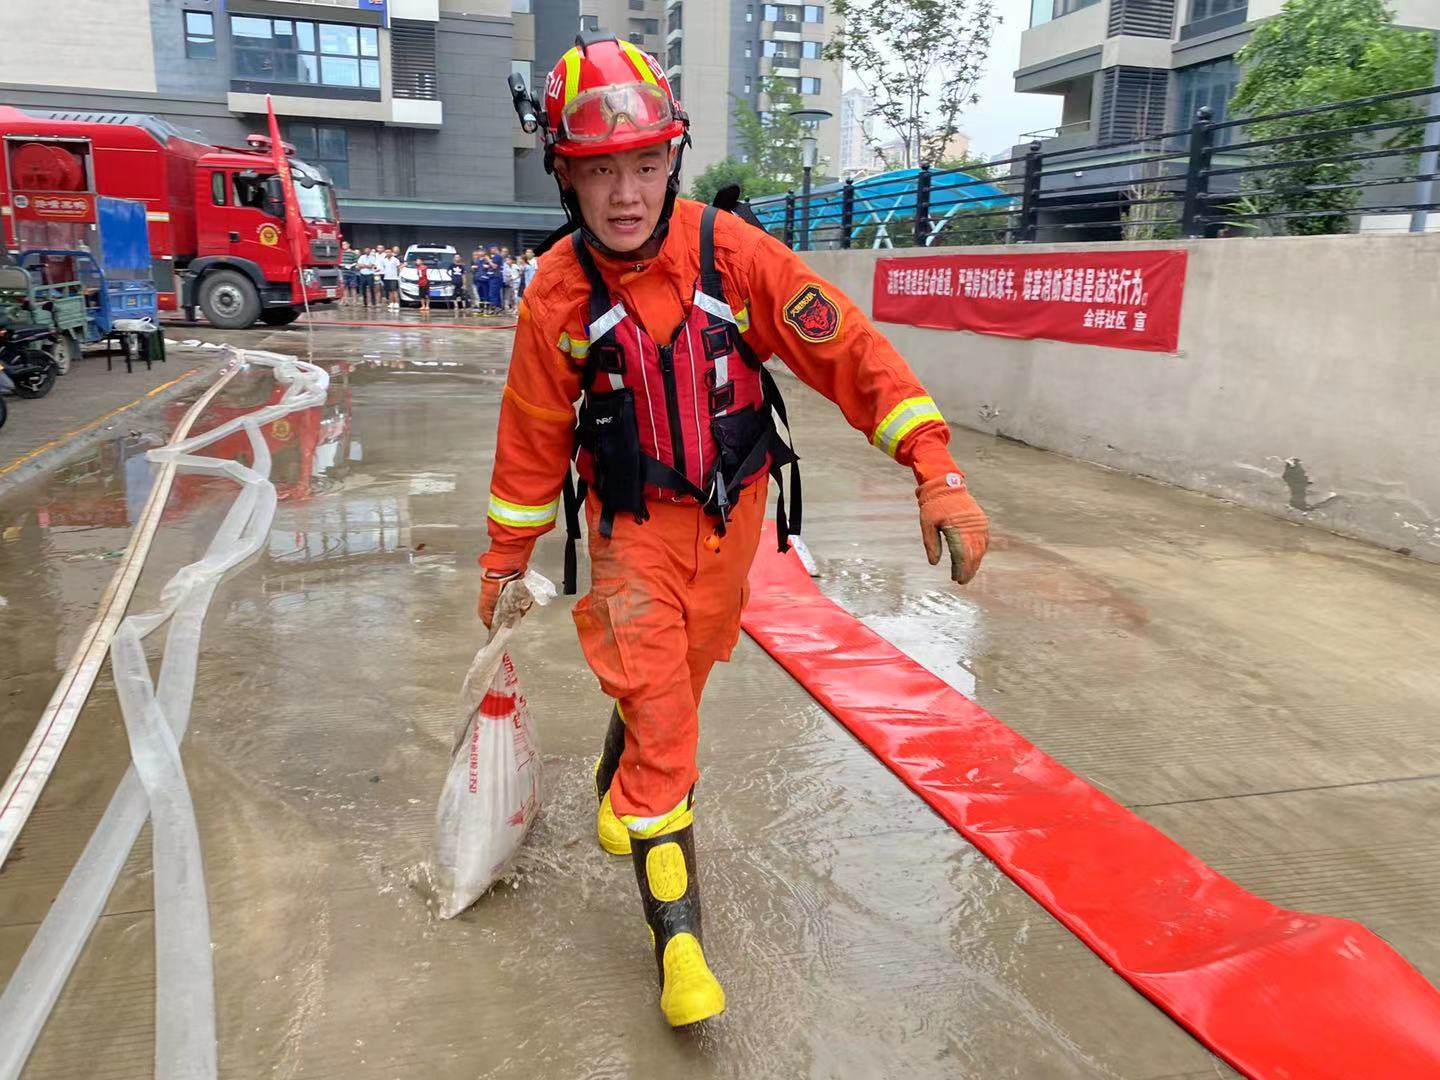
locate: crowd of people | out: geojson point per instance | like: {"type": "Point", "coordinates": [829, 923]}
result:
{"type": "Point", "coordinates": [491, 283]}
{"type": "Point", "coordinates": [372, 276]}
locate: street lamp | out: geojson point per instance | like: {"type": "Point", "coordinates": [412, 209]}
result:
{"type": "Point", "coordinates": [809, 158]}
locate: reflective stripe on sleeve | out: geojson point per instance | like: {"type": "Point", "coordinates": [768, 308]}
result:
{"type": "Point", "coordinates": [742, 320]}
{"type": "Point", "coordinates": [519, 516]}
{"type": "Point", "coordinates": [579, 348]}
{"type": "Point", "coordinates": [903, 419]}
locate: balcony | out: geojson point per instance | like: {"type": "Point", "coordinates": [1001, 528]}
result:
{"type": "Point", "coordinates": [1060, 137]}
{"type": "Point", "coordinates": [1062, 49]}
{"type": "Point", "coordinates": [779, 65]}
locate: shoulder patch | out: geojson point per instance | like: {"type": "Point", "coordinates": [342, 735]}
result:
{"type": "Point", "coordinates": [813, 315]}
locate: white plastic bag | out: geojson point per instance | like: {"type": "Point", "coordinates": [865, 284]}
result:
{"type": "Point", "coordinates": [492, 792]}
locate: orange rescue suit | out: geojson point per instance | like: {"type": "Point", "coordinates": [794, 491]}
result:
{"type": "Point", "coordinates": [665, 598]}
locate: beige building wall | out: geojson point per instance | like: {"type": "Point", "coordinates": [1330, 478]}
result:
{"type": "Point", "coordinates": [705, 82]}
{"type": "Point", "coordinates": [54, 51]}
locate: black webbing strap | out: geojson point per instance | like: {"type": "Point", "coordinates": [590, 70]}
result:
{"type": "Point", "coordinates": [574, 488]}
{"type": "Point", "coordinates": [710, 282]}
{"type": "Point", "coordinates": [599, 294]}
{"type": "Point", "coordinates": [783, 454]}
{"type": "Point", "coordinates": [573, 494]}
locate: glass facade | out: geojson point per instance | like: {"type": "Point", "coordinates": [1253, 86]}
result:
{"type": "Point", "coordinates": [297, 51]}
{"type": "Point", "coordinates": [322, 144]}
{"type": "Point", "coordinates": [1042, 11]}
{"type": "Point", "coordinates": [1206, 84]}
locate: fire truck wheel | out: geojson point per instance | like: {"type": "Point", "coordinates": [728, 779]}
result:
{"type": "Point", "coordinates": [229, 300]}
{"type": "Point", "coordinates": [279, 316]}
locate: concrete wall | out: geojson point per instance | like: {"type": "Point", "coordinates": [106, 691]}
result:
{"type": "Point", "coordinates": [65, 48]}
{"type": "Point", "coordinates": [1307, 382]}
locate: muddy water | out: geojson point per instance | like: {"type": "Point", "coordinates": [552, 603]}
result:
{"type": "Point", "coordinates": [857, 936]}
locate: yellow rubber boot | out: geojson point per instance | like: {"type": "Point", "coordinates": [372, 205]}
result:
{"type": "Point", "coordinates": [689, 991]}
{"type": "Point", "coordinates": [670, 891]}
{"type": "Point", "coordinates": [614, 837]}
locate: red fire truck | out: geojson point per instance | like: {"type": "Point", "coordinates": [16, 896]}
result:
{"type": "Point", "coordinates": [216, 214]}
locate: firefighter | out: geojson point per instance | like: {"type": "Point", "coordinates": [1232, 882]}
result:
{"type": "Point", "coordinates": [655, 314]}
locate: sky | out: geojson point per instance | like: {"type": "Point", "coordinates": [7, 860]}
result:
{"type": "Point", "coordinates": [1002, 115]}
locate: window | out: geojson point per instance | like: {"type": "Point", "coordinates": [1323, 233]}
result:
{"type": "Point", "coordinates": [637, 5]}
{"type": "Point", "coordinates": [809, 86]}
{"type": "Point", "coordinates": [749, 49]}
{"type": "Point", "coordinates": [322, 144]}
{"type": "Point", "coordinates": [291, 51]}
{"type": "Point", "coordinates": [1208, 9]}
{"type": "Point", "coordinates": [1210, 84]}
{"type": "Point", "coordinates": [672, 55]}
{"type": "Point", "coordinates": [747, 86]}
{"type": "Point", "coordinates": [1042, 11]}
{"type": "Point", "coordinates": [199, 35]}
{"type": "Point", "coordinates": [589, 22]}
{"type": "Point", "coordinates": [815, 13]}
{"type": "Point", "coordinates": [749, 12]}
{"type": "Point", "coordinates": [675, 87]}
{"type": "Point", "coordinates": [644, 26]}
{"type": "Point", "coordinates": [217, 188]}
{"type": "Point", "coordinates": [810, 50]}
{"type": "Point", "coordinates": [771, 13]}
{"type": "Point", "coordinates": [674, 22]}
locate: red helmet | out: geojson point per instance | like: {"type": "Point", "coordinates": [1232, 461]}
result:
{"type": "Point", "coordinates": [607, 95]}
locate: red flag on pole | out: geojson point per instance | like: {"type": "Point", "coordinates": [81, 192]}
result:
{"type": "Point", "coordinates": [294, 223]}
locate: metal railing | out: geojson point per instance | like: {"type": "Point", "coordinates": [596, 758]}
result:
{"type": "Point", "coordinates": [1211, 179]}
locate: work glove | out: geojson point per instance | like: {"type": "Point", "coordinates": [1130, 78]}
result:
{"type": "Point", "coordinates": [947, 509]}
{"type": "Point", "coordinates": [491, 582]}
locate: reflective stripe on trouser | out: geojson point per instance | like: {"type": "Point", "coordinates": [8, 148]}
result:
{"type": "Point", "coordinates": [661, 610]}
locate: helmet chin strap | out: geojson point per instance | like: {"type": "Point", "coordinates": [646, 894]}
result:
{"type": "Point", "coordinates": [571, 202]}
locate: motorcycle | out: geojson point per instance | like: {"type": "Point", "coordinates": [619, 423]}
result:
{"type": "Point", "coordinates": [29, 360]}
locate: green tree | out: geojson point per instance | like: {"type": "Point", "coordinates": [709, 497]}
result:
{"type": "Point", "coordinates": [1319, 52]}
{"type": "Point", "coordinates": [729, 171]}
{"type": "Point", "coordinates": [772, 141]}
{"type": "Point", "coordinates": [919, 60]}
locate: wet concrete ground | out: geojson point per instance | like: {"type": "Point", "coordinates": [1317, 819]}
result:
{"type": "Point", "coordinates": [1260, 691]}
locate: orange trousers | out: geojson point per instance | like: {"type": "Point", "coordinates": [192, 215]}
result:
{"type": "Point", "coordinates": [663, 606]}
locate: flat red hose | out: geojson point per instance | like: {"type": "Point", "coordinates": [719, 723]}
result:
{"type": "Point", "coordinates": [1276, 993]}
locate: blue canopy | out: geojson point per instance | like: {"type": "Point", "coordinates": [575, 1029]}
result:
{"type": "Point", "coordinates": [887, 196]}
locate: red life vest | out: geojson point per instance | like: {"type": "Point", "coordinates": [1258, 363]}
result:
{"type": "Point", "coordinates": [691, 418]}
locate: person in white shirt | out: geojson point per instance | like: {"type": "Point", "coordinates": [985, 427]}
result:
{"type": "Point", "coordinates": [510, 283]}
{"type": "Point", "coordinates": [390, 273]}
{"type": "Point", "coordinates": [367, 266]}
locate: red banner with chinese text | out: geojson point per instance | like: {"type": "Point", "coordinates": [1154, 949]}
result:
{"type": "Point", "coordinates": [1120, 299]}
{"type": "Point", "coordinates": [57, 206]}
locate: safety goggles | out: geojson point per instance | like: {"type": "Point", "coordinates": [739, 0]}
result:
{"type": "Point", "coordinates": [594, 115]}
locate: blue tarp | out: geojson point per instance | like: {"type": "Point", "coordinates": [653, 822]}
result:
{"type": "Point", "coordinates": [124, 236]}
{"type": "Point", "coordinates": [876, 197]}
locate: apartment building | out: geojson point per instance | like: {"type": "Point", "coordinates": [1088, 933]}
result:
{"type": "Point", "coordinates": [718, 51]}
{"type": "Point", "coordinates": [1131, 69]}
{"type": "Point", "coordinates": [403, 101]}
{"type": "Point", "coordinates": [637, 21]}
